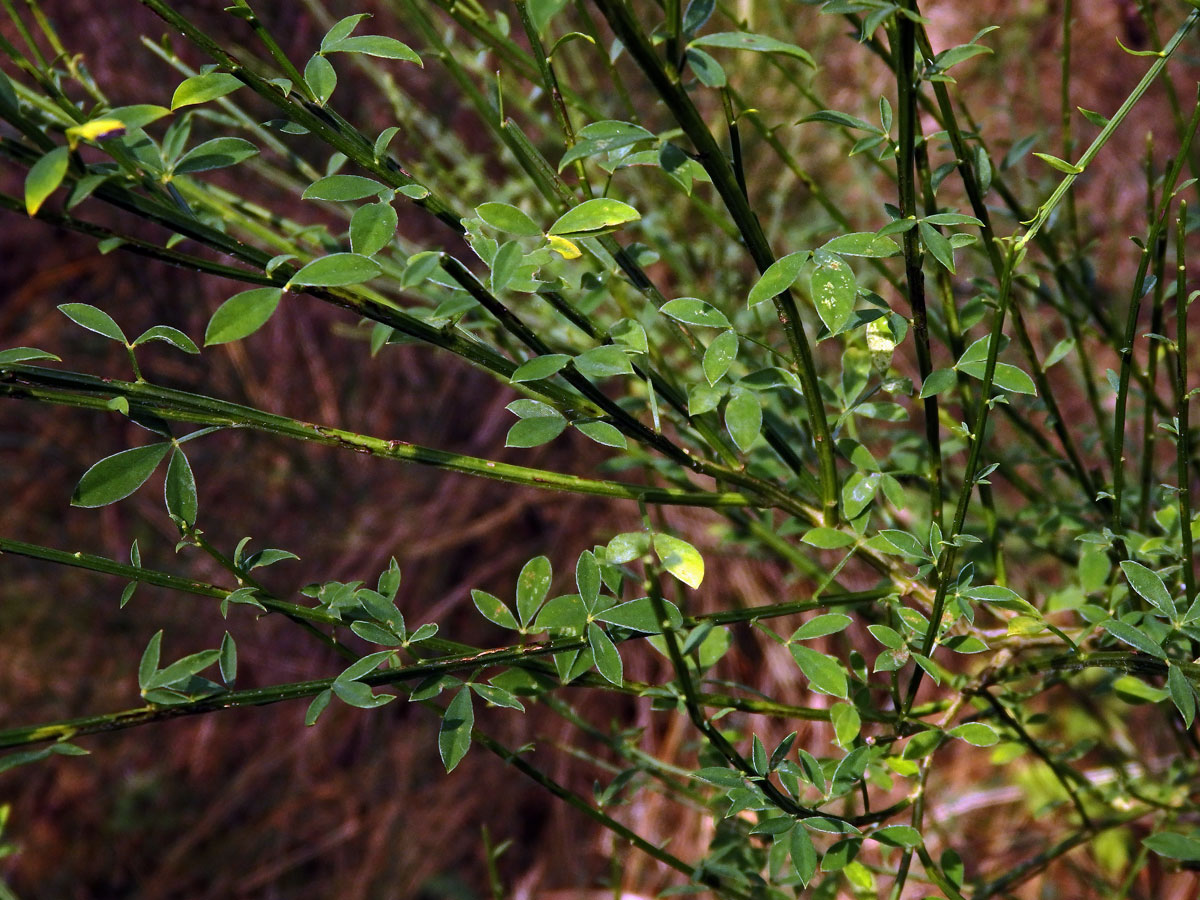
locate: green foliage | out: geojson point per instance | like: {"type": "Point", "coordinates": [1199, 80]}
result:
{"type": "Point", "coordinates": [957, 545]}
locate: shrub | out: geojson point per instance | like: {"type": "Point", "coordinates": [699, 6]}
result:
{"type": "Point", "coordinates": [875, 351]}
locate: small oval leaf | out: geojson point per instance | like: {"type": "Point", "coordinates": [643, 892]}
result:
{"type": "Point", "coordinates": [336, 270]}
{"type": "Point", "coordinates": [93, 319]}
{"type": "Point", "coordinates": [594, 217]}
{"type": "Point", "coordinates": [116, 477]}
{"type": "Point", "coordinates": [241, 315]}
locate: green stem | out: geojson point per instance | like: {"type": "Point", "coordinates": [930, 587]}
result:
{"type": "Point", "coordinates": [274, 49]}
{"type": "Point", "coordinates": [1159, 65]}
{"type": "Point", "coordinates": [913, 252]}
{"type": "Point", "coordinates": [946, 569]}
{"type": "Point", "coordinates": [49, 385]}
{"type": "Point", "coordinates": [1183, 449]}
{"type": "Point", "coordinates": [264, 696]}
{"type": "Point", "coordinates": [1139, 289]}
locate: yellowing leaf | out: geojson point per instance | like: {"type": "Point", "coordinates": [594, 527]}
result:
{"type": "Point", "coordinates": [680, 558]}
{"type": "Point", "coordinates": [564, 248]}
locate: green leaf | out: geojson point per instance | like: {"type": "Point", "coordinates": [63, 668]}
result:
{"type": "Point", "coordinates": [533, 584]}
{"type": "Point", "coordinates": [266, 557]}
{"type": "Point", "coordinates": [603, 433]}
{"type": "Point", "coordinates": [137, 116]}
{"type": "Point", "coordinates": [372, 227]}
{"type": "Point", "coordinates": [858, 492]}
{"type": "Point", "coordinates": [759, 43]}
{"type": "Point", "coordinates": [44, 177]}
{"type": "Point", "coordinates": [605, 655]}
{"type": "Point", "coordinates": [227, 660]}
{"type": "Point", "coordinates": [603, 137]}
{"type": "Point", "coordinates": [889, 637]}
{"type": "Point", "coordinates": [355, 693]}
{"type": "Point", "coordinates": [1059, 352]}
{"type": "Point", "coordinates": [836, 117]}
{"type": "Point", "coordinates": [1060, 164]}
{"type": "Point", "coordinates": [172, 336]}
{"type": "Point", "coordinates": [823, 672]}
{"type": "Point", "coordinates": [1134, 637]}
{"type": "Point", "coordinates": [1183, 695]}
{"type": "Point", "coordinates": [540, 367]}
{"type": "Point", "coordinates": [24, 354]}
{"type": "Point", "coordinates": [336, 270]}
{"type": "Point", "coordinates": [24, 757]}
{"type": "Point", "coordinates": [898, 836]}
{"type": "Point", "coordinates": [374, 45]}
{"type": "Point", "coordinates": [116, 477]}
{"type": "Point", "coordinates": [639, 615]}
{"type": "Point", "coordinates": [342, 188]}
{"type": "Point", "coordinates": [862, 243]}
{"type": "Point", "coordinates": [833, 291]}
{"type": "Point", "coordinates": [321, 78]}
{"type": "Point", "coordinates": [535, 431]}
{"type": "Point", "coordinates": [180, 488]}
{"type": "Point", "coordinates": [94, 319]}
{"type": "Point", "coordinates": [202, 88]}
{"type": "Point", "coordinates": [707, 70]}
{"type": "Point", "coordinates": [376, 634]}
{"type": "Point", "coordinates": [694, 311]}
{"type": "Point", "coordinates": [594, 217]}
{"type": "Point", "coordinates": [149, 662]}
{"type": "Point", "coordinates": [827, 538]}
{"type": "Point", "coordinates": [498, 696]}
{"type": "Point", "coordinates": [1007, 377]}
{"type": "Point", "coordinates": [803, 854]}
{"type": "Point", "coordinates": [938, 246]}
{"type": "Point", "coordinates": [743, 419]}
{"type": "Point", "coordinates": [565, 612]}
{"type": "Point", "coordinates": [680, 558]}
{"type": "Point", "coordinates": [952, 219]}
{"type": "Point", "coordinates": [778, 277]}
{"type": "Point", "coordinates": [364, 666]}
{"type": "Point", "coordinates": [506, 217]}
{"type": "Point", "coordinates": [961, 53]}
{"type": "Point", "coordinates": [1150, 587]}
{"type": "Point", "coordinates": [587, 577]}
{"type": "Point", "coordinates": [241, 315]}
{"type": "Point", "coordinates": [1094, 118]}
{"type": "Point", "coordinates": [505, 265]}
{"type": "Point", "coordinates": [182, 669]}
{"type": "Point", "coordinates": [820, 626]}
{"type": "Point", "coordinates": [219, 153]}
{"type": "Point", "coordinates": [342, 29]}
{"type": "Point", "coordinates": [626, 547]}
{"type": "Point", "coordinates": [904, 543]}
{"type": "Point", "coordinates": [317, 707]}
{"type": "Point", "coordinates": [978, 734]}
{"type": "Point", "coordinates": [846, 722]}
{"type": "Point", "coordinates": [603, 362]}
{"type": "Point", "coordinates": [494, 610]}
{"type": "Point", "coordinates": [938, 381]}
{"type": "Point", "coordinates": [543, 11]}
{"type": "Point", "coordinates": [1175, 846]}
{"type": "Point", "coordinates": [719, 356]}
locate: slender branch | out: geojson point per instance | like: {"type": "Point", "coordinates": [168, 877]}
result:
{"type": "Point", "coordinates": [1183, 448]}
{"type": "Point", "coordinates": [68, 388]}
{"type": "Point", "coordinates": [70, 729]}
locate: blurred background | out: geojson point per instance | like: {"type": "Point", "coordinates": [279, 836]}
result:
{"type": "Point", "coordinates": [250, 804]}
